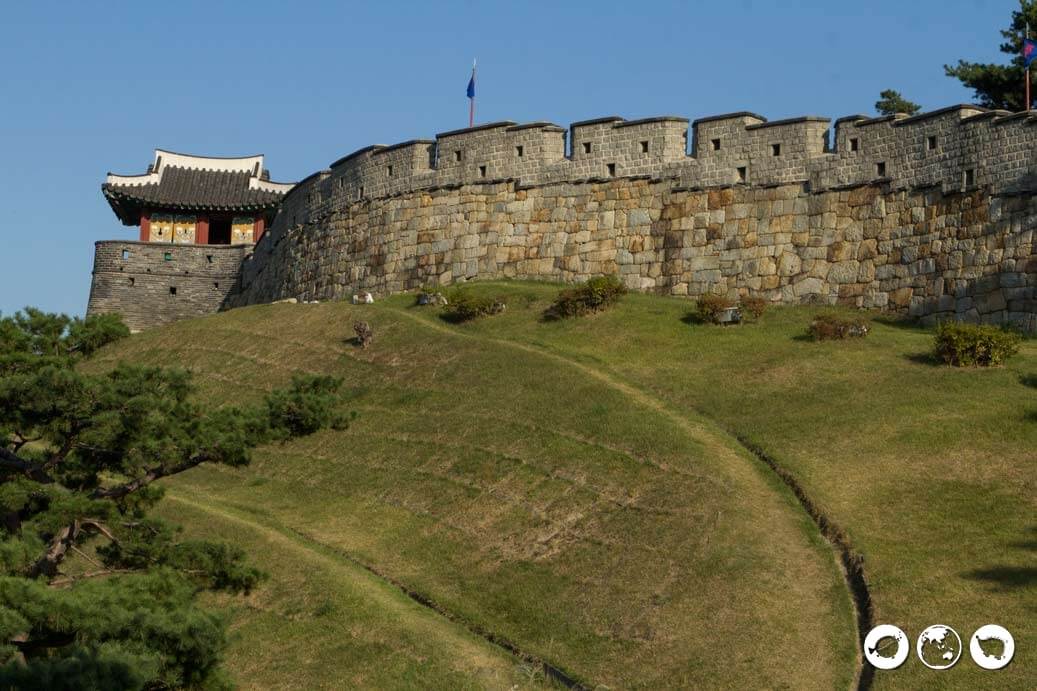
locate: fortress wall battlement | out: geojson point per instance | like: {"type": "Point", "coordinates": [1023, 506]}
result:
{"type": "Point", "coordinates": [955, 148]}
{"type": "Point", "coordinates": [931, 215]}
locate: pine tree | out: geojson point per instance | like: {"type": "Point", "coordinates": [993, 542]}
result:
{"type": "Point", "coordinates": [94, 592]}
{"type": "Point", "coordinates": [891, 102]}
{"type": "Point", "coordinates": [1001, 86]}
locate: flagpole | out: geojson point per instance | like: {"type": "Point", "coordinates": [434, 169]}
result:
{"type": "Point", "coordinates": [471, 101]}
{"type": "Point", "coordinates": [1027, 71]}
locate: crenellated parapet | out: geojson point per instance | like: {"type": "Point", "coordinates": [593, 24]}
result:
{"type": "Point", "coordinates": [957, 148]}
{"type": "Point", "coordinates": [932, 215]}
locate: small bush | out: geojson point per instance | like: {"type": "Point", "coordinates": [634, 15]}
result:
{"type": "Point", "coordinates": [710, 306]}
{"type": "Point", "coordinates": [364, 333]}
{"type": "Point", "coordinates": [754, 306]}
{"type": "Point", "coordinates": [312, 402]}
{"type": "Point", "coordinates": [430, 295]}
{"type": "Point", "coordinates": [465, 307]}
{"type": "Point", "coordinates": [974, 345]}
{"type": "Point", "coordinates": [829, 327]}
{"type": "Point", "coordinates": [596, 294]}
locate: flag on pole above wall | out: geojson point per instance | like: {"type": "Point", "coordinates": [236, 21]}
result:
{"type": "Point", "coordinates": [1029, 53]}
{"type": "Point", "coordinates": [471, 97]}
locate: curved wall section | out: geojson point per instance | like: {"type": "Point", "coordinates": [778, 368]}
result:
{"type": "Point", "coordinates": [931, 215]}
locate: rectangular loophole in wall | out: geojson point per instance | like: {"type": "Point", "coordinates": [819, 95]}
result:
{"type": "Point", "coordinates": [612, 170]}
{"type": "Point", "coordinates": [644, 147]}
{"type": "Point", "coordinates": [586, 147]}
{"type": "Point", "coordinates": [172, 291]}
{"type": "Point", "coordinates": [132, 280]}
{"type": "Point", "coordinates": [168, 256]}
{"type": "Point", "coordinates": [388, 172]}
{"type": "Point", "coordinates": [775, 149]}
{"type": "Point", "coordinates": [930, 142]}
{"type": "Point", "coordinates": [970, 178]}
{"type": "Point", "coordinates": [216, 285]}
{"type": "Point", "coordinates": [519, 151]}
{"type": "Point", "coordinates": [125, 254]}
{"type": "Point", "coordinates": [855, 144]}
{"type": "Point", "coordinates": [716, 144]}
{"type": "Point", "coordinates": [457, 155]}
{"type": "Point", "coordinates": [360, 192]}
{"type": "Point", "coordinates": [880, 169]}
{"type": "Point", "coordinates": [208, 259]}
{"type": "Point", "coordinates": [482, 171]}
{"type": "Point", "coordinates": [742, 173]}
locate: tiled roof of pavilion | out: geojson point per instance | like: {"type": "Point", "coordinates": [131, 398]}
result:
{"type": "Point", "coordinates": [194, 183]}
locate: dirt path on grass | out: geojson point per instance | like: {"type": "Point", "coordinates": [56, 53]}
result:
{"type": "Point", "coordinates": [489, 658]}
{"type": "Point", "coordinates": [735, 452]}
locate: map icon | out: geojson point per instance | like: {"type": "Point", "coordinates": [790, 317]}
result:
{"type": "Point", "coordinates": [939, 647]}
{"type": "Point", "coordinates": [886, 647]}
{"type": "Point", "coordinates": [1000, 647]}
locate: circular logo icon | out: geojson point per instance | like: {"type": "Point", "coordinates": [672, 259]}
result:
{"type": "Point", "coordinates": [939, 647]}
{"type": "Point", "coordinates": [879, 643]}
{"type": "Point", "coordinates": [994, 637]}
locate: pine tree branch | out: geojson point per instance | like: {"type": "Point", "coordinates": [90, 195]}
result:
{"type": "Point", "coordinates": [87, 557]}
{"type": "Point", "coordinates": [53, 639]}
{"type": "Point", "coordinates": [47, 565]}
{"type": "Point", "coordinates": [65, 540]}
{"type": "Point", "coordinates": [62, 454]}
{"type": "Point", "coordinates": [33, 471]}
{"type": "Point", "coordinates": [157, 473]}
{"type": "Point", "coordinates": [69, 580]}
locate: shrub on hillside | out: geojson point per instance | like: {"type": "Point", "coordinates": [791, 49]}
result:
{"type": "Point", "coordinates": [430, 295]}
{"type": "Point", "coordinates": [974, 345]}
{"type": "Point", "coordinates": [465, 307]}
{"type": "Point", "coordinates": [364, 334]}
{"type": "Point", "coordinates": [829, 327]}
{"type": "Point", "coordinates": [596, 294]}
{"type": "Point", "coordinates": [753, 305]}
{"type": "Point", "coordinates": [710, 307]}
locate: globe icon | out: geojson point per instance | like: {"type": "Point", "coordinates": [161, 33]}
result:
{"type": "Point", "coordinates": [938, 647]}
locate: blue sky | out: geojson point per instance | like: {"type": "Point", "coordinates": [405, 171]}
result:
{"type": "Point", "coordinates": [89, 88]}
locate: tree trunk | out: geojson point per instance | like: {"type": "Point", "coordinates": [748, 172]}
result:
{"type": "Point", "coordinates": [47, 565]}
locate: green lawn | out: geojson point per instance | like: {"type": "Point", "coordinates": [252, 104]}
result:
{"type": "Point", "coordinates": [321, 621]}
{"type": "Point", "coordinates": [931, 470]}
{"type": "Point", "coordinates": [576, 488]}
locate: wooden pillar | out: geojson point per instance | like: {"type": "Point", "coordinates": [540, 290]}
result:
{"type": "Point", "coordinates": [145, 225]}
{"type": "Point", "coordinates": [201, 230]}
{"type": "Point", "coordinates": [259, 228]}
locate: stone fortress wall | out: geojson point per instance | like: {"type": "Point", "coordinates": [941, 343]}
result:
{"type": "Point", "coordinates": [155, 283]}
{"type": "Point", "coordinates": [932, 214]}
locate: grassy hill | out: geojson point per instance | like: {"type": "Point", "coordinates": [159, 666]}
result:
{"type": "Point", "coordinates": [577, 491]}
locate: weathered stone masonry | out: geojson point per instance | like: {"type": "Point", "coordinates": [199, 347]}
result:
{"type": "Point", "coordinates": [152, 283]}
{"type": "Point", "coordinates": [932, 215]}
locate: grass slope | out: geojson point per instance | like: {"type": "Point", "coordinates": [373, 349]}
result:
{"type": "Point", "coordinates": [544, 495]}
{"type": "Point", "coordinates": [321, 621]}
{"type": "Point", "coordinates": [931, 470]}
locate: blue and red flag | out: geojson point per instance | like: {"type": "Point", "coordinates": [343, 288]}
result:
{"type": "Point", "coordinates": [1029, 52]}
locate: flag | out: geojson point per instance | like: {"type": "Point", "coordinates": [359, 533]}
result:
{"type": "Point", "coordinates": [1029, 53]}
{"type": "Point", "coordinates": [471, 97]}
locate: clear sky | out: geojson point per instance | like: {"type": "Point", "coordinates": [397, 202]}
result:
{"type": "Point", "coordinates": [89, 87]}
